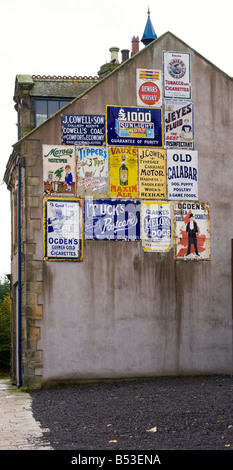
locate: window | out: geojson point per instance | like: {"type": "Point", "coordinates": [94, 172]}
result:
{"type": "Point", "coordinates": [43, 109]}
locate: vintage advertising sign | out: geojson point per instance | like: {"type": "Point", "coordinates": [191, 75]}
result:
{"type": "Point", "coordinates": [149, 87]}
{"type": "Point", "coordinates": [192, 231]}
{"type": "Point", "coordinates": [59, 170]}
{"type": "Point", "coordinates": [63, 229]}
{"type": "Point", "coordinates": [112, 219]}
{"type": "Point", "coordinates": [157, 229]}
{"type": "Point", "coordinates": [134, 126]}
{"type": "Point", "coordinates": [92, 171]}
{"type": "Point", "coordinates": [182, 174]}
{"type": "Point", "coordinates": [152, 173]}
{"type": "Point", "coordinates": [123, 171]}
{"type": "Point", "coordinates": [176, 75]}
{"type": "Point", "coordinates": [178, 124]}
{"type": "Point", "coordinates": [78, 129]}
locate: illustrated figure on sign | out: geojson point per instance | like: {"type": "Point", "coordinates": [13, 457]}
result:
{"type": "Point", "coordinates": [192, 231]}
{"type": "Point", "coordinates": [186, 131]}
{"type": "Point", "coordinates": [68, 177]}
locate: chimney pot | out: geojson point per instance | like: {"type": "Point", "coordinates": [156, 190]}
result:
{"type": "Point", "coordinates": [124, 55]}
{"type": "Point", "coordinates": [114, 54]}
{"type": "Point", "coordinates": [135, 45]}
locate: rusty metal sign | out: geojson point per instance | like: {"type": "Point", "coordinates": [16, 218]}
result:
{"type": "Point", "coordinates": [192, 231]}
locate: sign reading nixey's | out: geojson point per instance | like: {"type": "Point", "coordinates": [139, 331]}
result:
{"type": "Point", "coordinates": [78, 129]}
{"type": "Point", "coordinates": [134, 126]}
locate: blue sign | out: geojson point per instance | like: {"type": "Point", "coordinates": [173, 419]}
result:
{"type": "Point", "coordinates": [77, 129]}
{"type": "Point", "coordinates": [112, 219]}
{"type": "Point", "coordinates": [134, 126]}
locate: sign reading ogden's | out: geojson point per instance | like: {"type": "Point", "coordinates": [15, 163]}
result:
{"type": "Point", "coordinates": [182, 174]}
{"type": "Point", "coordinates": [63, 229]}
{"type": "Point", "coordinates": [176, 75]}
{"type": "Point", "coordinates": [149, 87]}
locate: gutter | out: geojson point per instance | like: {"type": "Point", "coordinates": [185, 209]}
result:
{"type": "Point", "coordinates": [19, 275]}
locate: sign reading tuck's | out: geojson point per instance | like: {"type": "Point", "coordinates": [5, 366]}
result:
{"type": "Point", "coordinates": [78, 129]}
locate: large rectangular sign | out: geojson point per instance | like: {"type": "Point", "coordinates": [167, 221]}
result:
{"type": "Point", "coordinates": [63, 229]}
{"type": "Point", "coordinates": [134, 126]}
{"type": "Point", "coordinates": [59, 170]}
{"type": "Point", "coordinates": [152, 173]}
{"type": "Point", "coordinates": [92, 172]}
{"type": "Point", "coordinates": [178, 124]}
{"type": "Point", "coordinates": [182, 174]}
{"type": "Point", "coordinates": [149, 87]}
{"type": "Point", "coordinates": [157, 230]}
{"type": "Point", "coordinates": [176, 75]}
{"type": "Point", "coordinates": [77, 129]}
{"type": "Point", "coordinates": [192, 231]}
{"type": "Point", "coordinates": [112, 219]}
{"type": "Point", "coordinates": [123, 171]}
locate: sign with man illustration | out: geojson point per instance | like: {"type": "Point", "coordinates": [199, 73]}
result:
{"type": "Point", "coordinates": [192, 231]}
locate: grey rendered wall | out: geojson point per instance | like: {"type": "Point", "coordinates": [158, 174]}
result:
{"type": "Point", "coordinates": [122, 312]}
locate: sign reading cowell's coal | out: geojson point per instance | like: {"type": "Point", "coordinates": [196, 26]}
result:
{"type": "Point", "coordinates": [78, 129]}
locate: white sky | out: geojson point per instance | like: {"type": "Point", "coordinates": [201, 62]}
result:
{"type": "Point", "coordinates": [73, 37]}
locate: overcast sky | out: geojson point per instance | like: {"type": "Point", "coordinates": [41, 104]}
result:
{"type": "Point", "coordinates": [53, 37]}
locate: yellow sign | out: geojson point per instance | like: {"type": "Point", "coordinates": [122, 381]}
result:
{"type": "Point", "coordinates": [152, 173]}
{"type": "Point", "coordinates": [123, 172]}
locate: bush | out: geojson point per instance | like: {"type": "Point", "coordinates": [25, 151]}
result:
{"type": "Point", "coordinates": [5, 335]}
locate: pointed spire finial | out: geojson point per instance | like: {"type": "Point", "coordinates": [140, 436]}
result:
{"type": "Point", "coordinates": [149, 32]}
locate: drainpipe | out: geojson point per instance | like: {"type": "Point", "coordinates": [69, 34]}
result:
{"type": "Point", "coordinates": [19, 275]}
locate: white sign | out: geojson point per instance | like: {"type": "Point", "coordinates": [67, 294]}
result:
{"type": "Point", "coordinates": [63, 230]}
{"type": "Point", "coordinates": [178, 124]}
{"type": "Point", "coordinates": [157, 226]}
{"type": "Point", "coordinates": [149, 87]}
{"type": "Point", "coordinates": [182, 174]}
{"type": "Point", "coordinates": [176, 75]}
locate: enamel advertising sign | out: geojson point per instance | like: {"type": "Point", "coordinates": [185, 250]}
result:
{"type": "Point", "coordinates": [92, 171]}
{"type": "Point", "coordinates": [192, 231]}
{"type": "Point", "coordinates": [176, 75]}
{"type": "Point", "coordinates": [63, 229]}
{"type": "Point", "coordinates": [134, 126]}
{"type": "Point", "coordinates": [178, 124]}
{"type": "Point", "coordinates": [152, 173]}
{"type": "Point", "coordinates": [149, 87]}
{"type": "Point", "coordinates": [157, 233]}
{"type": "Point", "coordinates": [182, 174]}
{"type": "Point", "coordinates": [112, 219]}
{"type": "Point", "coordinates": [123, 171]}
{"type": "Point", "coordinates": [86, 128]}
{"type": "Point", "coordinates": [59, 170]}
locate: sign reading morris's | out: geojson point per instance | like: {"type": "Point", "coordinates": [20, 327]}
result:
{"type": "Point", "coordinates": [78, 129]}
{"type": "Point", "coordinates": [134, 126]}
{"type": "Point", "coordinates": [63, 229]}
{"type": "Point", "coordinates": [59, 170]}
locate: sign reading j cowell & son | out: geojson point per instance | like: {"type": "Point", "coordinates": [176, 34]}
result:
{"type": "Point", "coordinates": [112, 219]}
{"type": "Point", "coordinates": [78, 129]}
{"type": "Point", "coordinates": [134, 126]}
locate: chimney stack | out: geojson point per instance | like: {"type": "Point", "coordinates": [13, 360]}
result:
{"type": "Point", "coordinates": [124, 55]}
{"type": "Point", "coordinates": [135, 45]}
{"type": "Point", "coordinates": [114, 54]}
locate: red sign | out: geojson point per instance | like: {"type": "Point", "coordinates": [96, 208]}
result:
{"type": "Point", "coordinates": [149, 93]}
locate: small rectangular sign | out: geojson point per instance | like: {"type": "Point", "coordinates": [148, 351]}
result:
{"type": "Point", "coordinates": [63, 229]}
{"type": "Point", "coordinates": [152, 173]}
{"type": "Point", "coordinates": [182, 174]}
{"type": "Point", "coordinates": [127, 125]}
{"type": "Point", "coordinates": [157, 229]}
{"type": "Point", "coordinates": [178, 124]}
{"type": "Point", "coordinates": [77, 129]}
{"type": "Point", "coordinates": [192, 231]}
{"type": "Point", "coordinates": [149, 87]}
{"type": "Point", "coordinates": [92, 172]}
{"type": "Point", "coordinates": [123, 171]}
{"type": "Point", "coordinates": [176, 75]}
{"type": "Point", "coordinates": [112, 219]}
{"type": "Point", "coordinates": [59, 170]}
